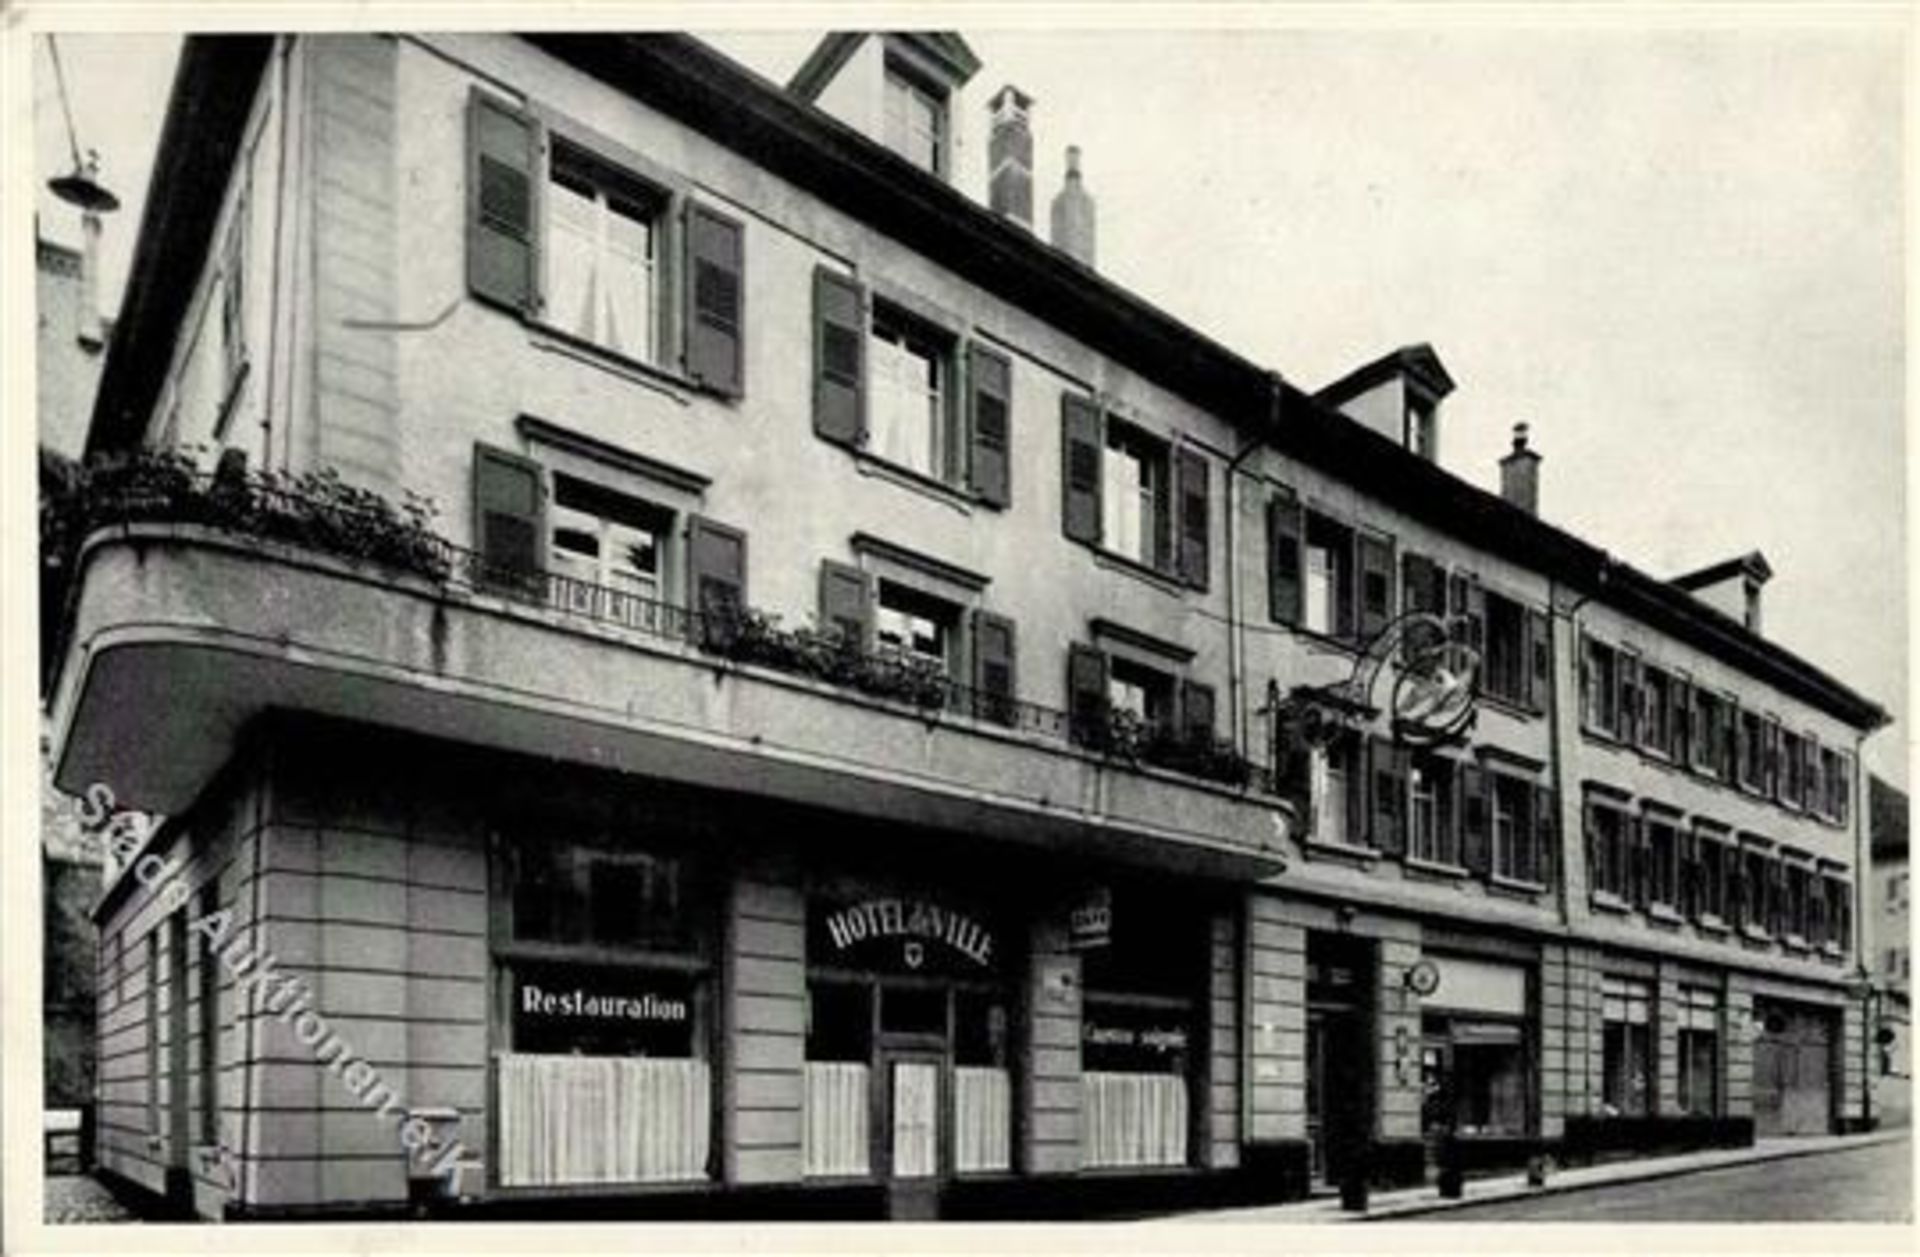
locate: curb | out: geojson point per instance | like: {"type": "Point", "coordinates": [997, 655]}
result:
{"type": "Point", "coordinates": [1651, 1173]}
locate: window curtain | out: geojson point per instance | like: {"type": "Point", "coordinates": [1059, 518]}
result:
{"type": "Point", "coordinates": [1133, 1119]}
{"type": "Point", "coordinates": [982, 1105]}
{"type": "Point", "coordinates": [836, 1119]}
{"type": "Point", "coordinates": [602, 1119]}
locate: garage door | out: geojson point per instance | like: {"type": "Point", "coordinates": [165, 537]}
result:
{"type": "Point", "coordinates": [1792, 1070]}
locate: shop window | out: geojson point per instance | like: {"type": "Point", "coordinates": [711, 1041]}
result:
{"type": "Point", "coordinates": [605, 897]}
{"type": "Point", "coordinates": [1141, 1033]}
{"type": "Point", "coordinates": [840, 1024]}
{"type": "Point", "coordinates": [1663, 863]}
{"type": "Point", "coordinates": [1599, 688]}
{"type": "Point", "coordinates": [1474, 1074]}
{"type": "Point", "coordinates": [1626, 1047]}
{"type": "Point", "coordinates": [1698, 1046]}
{"type": "Point", "coordinates": [609, 552]}
{"type": "Point", "coordinates": [1608, 840]}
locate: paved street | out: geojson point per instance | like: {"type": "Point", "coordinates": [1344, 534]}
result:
{"type": "Point", "coordinates": [1872, 1184]}
{"type": "Point", "coordinates": [81, 1198]}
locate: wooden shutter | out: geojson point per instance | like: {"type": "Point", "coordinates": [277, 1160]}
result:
{"type": "Point", "coordinates": [1087, 695]}
{"type": "Point", "coordinates": [1546, 834]}
{"type": "Point", "coordinates": [1775, 780]}
{"type": "Point", "coordinates": [1292, 767]}
{"type": "Point", "coordinates": [1196, 713]}
{"type": "Point", "coordinates": [1285, 534]}
{"type": "Point", "coordinates": [846, 603]}
{"type": "Point", "coordinates": [503, 181]}
{"type": "Point", "coordinates": [1843, 793]}
{"type": "Point", "coordinates": [1627, 696]}
{"type": "Point", "coordinates": [995, 682]}
{"type": "Point", "coordinates": [1539, 659]}
{"type": "Point", "coordinates": [1680, 719]}
{"type": "Point", "coordinates": [1476, 834]}
{"type": "Point", "coordinates": [1735, 862]}
{"type": "Point", "coordinates": [1081, 446]}
{"type": "Point", "coordinates": [1688, 843]}
{"type": "Point", "coordinates": [716, 269]}
{"type": "Point", "coordinates": [509, 493]}
{"type": "Point", "coordinates": [1193, 501]}
{"type": "Point", "coordinates": [1359, 790]}
{"type": "Point", "coordinates": [1376, 583]}
{"type": "Point", "coordinates": [1729, 739]}
{"type": "Point", "coordinates": [839, 358]}
{"type": "Point", "coordinates": [716, 580]}
{"type": "Point", "coordinates": [1388, 794]}
{"type": "Point", "coordinates": [990, 396]}
{"type": "Point", "coordinates": [1638, 873]}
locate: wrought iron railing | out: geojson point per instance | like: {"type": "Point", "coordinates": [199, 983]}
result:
{"type": "Point", "coordinates": [323, 514]}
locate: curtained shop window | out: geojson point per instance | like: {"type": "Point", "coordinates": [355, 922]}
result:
{"type": "Point", "coordinates": [603, 966]}
{"type": "Point", "coordinates": [1141, 1035]}
{"type": "Point", "coordinates": [982, 1083]}
{"type": "Point", "coordinates": [839, 1051]}
{"type": "Point", "coordinates": [1699, 1051]}
{"type": "Point", "coordinates": [1627, 1047]}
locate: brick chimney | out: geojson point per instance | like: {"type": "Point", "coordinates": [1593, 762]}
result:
{"type": "Point", "coordinates": [1520, 473]}
{"type": "Point", "coordinates": [1010, 155]}
{"type": "Point", "coordinates": [1073, 214]}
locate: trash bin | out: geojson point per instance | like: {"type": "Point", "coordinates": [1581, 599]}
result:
{"type": "Point", "coordinates": [1453, 1183]}
{"type": "Point", "coordinates": [1355, 1180]}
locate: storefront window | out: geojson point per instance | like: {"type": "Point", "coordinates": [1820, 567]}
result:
{"type": "Point", "coordinates": [1627, 1047]}
{"type": "Point", "coordinates": [607, 996]}
{"type": "Point", "coordinates": [1140, 1034]}
{"type": "Point", "coordinates": [1476, 1049]}
{"type": "Point", "coordinates": [1699, 1051]}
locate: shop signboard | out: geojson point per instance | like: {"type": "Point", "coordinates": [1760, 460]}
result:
{"type": "Point", "coordinates": [902, 934]}
{"type": "Point", "coordinates": [595, 1009]}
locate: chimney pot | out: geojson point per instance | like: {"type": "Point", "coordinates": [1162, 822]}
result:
{"type": "Point", "coordinates": [1010, 155]}
{"type": "Point", "coordinates": [1520, 473]}
{"type": "Point", "coordinates": [1073, 217]}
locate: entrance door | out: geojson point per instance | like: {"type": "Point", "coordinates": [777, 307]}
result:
{"type": "Point", "coordinates": [910, 1132]}
{"type": "Point", "coordinates": [1792, 1071]}
{"type": "Point", "coordinates": [1339, 1052]}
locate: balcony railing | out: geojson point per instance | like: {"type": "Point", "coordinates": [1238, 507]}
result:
{"type": "Point", "coordinates": [323, 514]}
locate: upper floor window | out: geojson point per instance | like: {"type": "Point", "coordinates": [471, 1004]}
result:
{"type": "Point", "coordinates": [1135, 495]}
{"type": "Point", "coordinates": [1432, 835]}
{"type": "Point", "coordinates": [607, 544]}
{"type": "Point", "coordinates": [1600, 688]}
{"type": "Point", "coordinates": [1757, 902]}
{"type": "Point", "coordinates": [1709, 876]}
{"type": "Point", "coordinates": [1328, 578]}
{"type": "Point", "coordinates": [1507, 670]}
{"type": "Point", "coordinates": [571, 231]}
{"type": "Point", "coordinates": [1609, 838]}
{"type": "Point", "coordinates": [1422, 430]}
{"type": "Point", "coordinates": [1334, 791]}
{"type": "Point", "coordinates": [916, 625]}
{"type": "Point", "coordinates": [916, 122]}
{"type": "Point", "coordinates": [910, 368]}
{"type": "Point", "coordinates": [1517, 806]}
{"type": "Point", "coordinates": [233, 292]}
{"type": "Point", "coordinates": [1656, 722]}
{"type": "Point", "coordinates": [1145, 693]}
{"type": "Point", "coordinates": [1836, 784]}
{"type": "Point", "coordinates": [1663, 862]}
{"type": "Point", "coordinates": [1709, 733]}
{"type": "Point", "coordinates": [602, 284]}
{"type": "Point", "coordinates": [1750, 735]}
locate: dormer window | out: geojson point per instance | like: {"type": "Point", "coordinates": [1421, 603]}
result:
{"type": "Point", "coordinates": [916, 121]}
{"type": "Point", "coordinates": [1421, 436]}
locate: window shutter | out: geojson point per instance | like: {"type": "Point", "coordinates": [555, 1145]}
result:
{"type": "Point", "coordinates": [716, 267]}
{"type": "Point", "coordinates": [1843, 792]}
{"type": "Point", "coordinates": [1843, 921]}
{"type": "Point", "coordinates": [1376, 584]}
{"type": "Point", "coordinates": [1285, 532]}
{"type": "Point", "coordinates": [502, 183]}
{"type": "Point", "coordinates": [1637, 870]}
{"type": "Point", "coordinates": [1191, 480]}
{"type": "Point", "coordinates": [1476, 837]}
{"type": "Point", "coordinates": [1293, 770]}
{"type": "Point", "coordinates": [995, 683]}
{"type": "Point", "coordinates": [1388, 793]}
{"type": "Point", "coordinates": [1689, 857]}
{"type": "Point", "coordinates": [990, 389]}
{"type": "Point", "coordinates": [716, 581]}
{"type": "Point", "coordinates": [1627, 699]}
{"type": "Point", "coordinates": [846, 603]}
{"type": "Point", "coordinates": [1735, 862]}
{"type": "Point", "coordinates": [1679, 720]}
{"type": "Point", "coordinates": [1587, 713]}
{"type": "Point", "coordinates": [1539, 659]}
{"type": "Point", "coordinates": [1729, 738]}
{"type": "Point", "coordinates": [1359, 790]}
{"type": "Point", "coordinates": [1196, 713]}
{"type": "Point", "coordinates": [1087, 695]}
{"type": "Point", "coordinates": [1775, 778]}
{"type": "Point", "coordinates": [839, 353]}
{"type": "Point", "coordinates": [509, 494]}
{"type": "Point", "coordinates": [1081, 445]}
{"type": "Point", "coordinates": [1546, 831]}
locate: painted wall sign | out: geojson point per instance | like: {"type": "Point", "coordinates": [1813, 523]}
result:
{"type": "Point", "coordinates": [1151, 1038]}
{"type": "Point", "coordinates": [921, 929]}
{"type": "Point", "coordinates": [542, 1001]}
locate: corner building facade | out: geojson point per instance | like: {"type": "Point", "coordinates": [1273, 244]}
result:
{"type": "Point", "coordinates": [885, 721]}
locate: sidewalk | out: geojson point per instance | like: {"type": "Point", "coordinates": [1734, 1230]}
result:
{"type": "Point", "coordinates": [1411, 1202]}
{"type": "Point", "coordinates": [81, 1198]}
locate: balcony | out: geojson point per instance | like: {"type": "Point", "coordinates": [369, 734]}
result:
{"type": "Point", "coordinates": [191, 612]}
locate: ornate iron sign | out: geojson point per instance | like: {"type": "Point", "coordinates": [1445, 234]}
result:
{"type": "Point", "coordinates": [1430, 700]}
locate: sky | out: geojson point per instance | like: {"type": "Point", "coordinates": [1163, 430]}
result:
{"type": "Point", "coordinates": [1675, 253]}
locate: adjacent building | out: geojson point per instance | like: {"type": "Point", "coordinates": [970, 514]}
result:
{"type": "Point", "coordinates": [884, 720]}
{"type": "Point", "coordinates": [1891, 959]}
